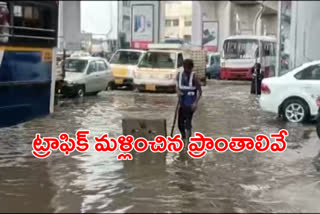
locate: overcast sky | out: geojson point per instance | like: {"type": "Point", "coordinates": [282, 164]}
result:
{"type": "Point", "coordinates": [99, 17]}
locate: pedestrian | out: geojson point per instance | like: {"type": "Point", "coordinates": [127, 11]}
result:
{"type": "Point", "coordinates": [189, 92]}
{"type": "Point", "coordinates": [257, 77]}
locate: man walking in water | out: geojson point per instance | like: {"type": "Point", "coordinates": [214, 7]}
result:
{"type": "Point", "coordinates": [189, 92]}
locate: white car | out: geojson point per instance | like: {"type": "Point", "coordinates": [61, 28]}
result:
{"type": "Point", "coordinates": [86, 75]}
{"type": "Point", "coordinates": [294, 94]}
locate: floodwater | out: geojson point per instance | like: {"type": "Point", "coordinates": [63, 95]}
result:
{"type": "Point", "coordinates": [98, 182]}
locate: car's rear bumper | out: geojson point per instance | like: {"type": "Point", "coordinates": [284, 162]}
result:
{"type": "Point", "coordinates": [267, 104]}
{"type": "Point", "coordinates": [157, 82]}
{"type": "Point", "coordinates": [123, 81]}
{"type": "Point", "coordinates": [143, 87]}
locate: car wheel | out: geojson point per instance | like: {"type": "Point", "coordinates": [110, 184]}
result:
{"type": "Point", "coordinates": [131, 87]}
{"type": "Point", "coordinates": [295, 110]}
{"type": "Point", "coordinates": [111, 86]}
{"type": "Point", "coordinates": [80, 91]}
{"type": "Point", "coordinates": [140, 89]}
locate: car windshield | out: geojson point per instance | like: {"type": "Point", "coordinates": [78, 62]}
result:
{"type": "Point", "coordinates": [240, 49]}
{"type": "Point", "coordinates": [158, 60]}
{"type": "Point", "coordinates": [126, 58]}
{"type": "Point", "coordinates": [215, 60]}
{"type": "Point", "coordinates": [75, 65]}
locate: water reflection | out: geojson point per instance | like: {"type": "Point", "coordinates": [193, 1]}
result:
{"type": "Point", "coordinates": [25, 184]}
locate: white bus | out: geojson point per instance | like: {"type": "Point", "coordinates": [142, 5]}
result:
{"type": "Point", "coordinates": [241, 52]}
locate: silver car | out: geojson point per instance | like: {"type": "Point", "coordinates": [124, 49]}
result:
{"type": "Point", "coordinates": [86, 75]}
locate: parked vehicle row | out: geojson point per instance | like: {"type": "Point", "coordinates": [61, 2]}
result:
{"type": "Point", "coordinates": [156, 68]}
{"type": "Point", "coordinates": [292, 96]}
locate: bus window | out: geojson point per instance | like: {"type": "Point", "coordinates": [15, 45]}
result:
{"type": "Point", "coordinates": [272, 52]}
{"type": "Point", "coordinates": [264, 48]}
{"type": "Point", "coordinates": [240, 49]}
{"type": "Point", "coordinates": [231, 49]}
{"type": "Point", "coordinates": [17, 11]}
{"type": "Point", "coordinates": [28, 12]}
{"type": "Point", "coordinates": [4, 22]}
{"type": "Point", "coordinates": [274, 45]}
{"type": "Point", "coordinates": [268, 49]}
{"type": "Point", "coordinates": [33, 23]}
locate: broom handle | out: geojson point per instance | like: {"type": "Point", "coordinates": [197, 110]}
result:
{"type": "Point", "coordinates": [175, 117]}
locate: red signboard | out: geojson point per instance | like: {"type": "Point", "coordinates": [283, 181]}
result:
{"type": "Point", "coordinates": [140, 44]}
{"type": "Point", "coordinates": [211, 48]}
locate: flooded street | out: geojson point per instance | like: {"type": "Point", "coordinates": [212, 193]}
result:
{"type": "Point", "coordinates": [98, 182]}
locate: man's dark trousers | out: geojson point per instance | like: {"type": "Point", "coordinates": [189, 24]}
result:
{"type": "Point", "coordinates": [185, 120]}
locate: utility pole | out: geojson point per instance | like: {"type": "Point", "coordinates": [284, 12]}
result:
{"type": "Point", "coordinates": [118, 15]}
{"type": "Point", "coordinates": [278, 55]}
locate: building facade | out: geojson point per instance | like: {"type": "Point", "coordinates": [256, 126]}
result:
{"type": "Point", "coordinates": [205, 23]}
{"type": "Point", "coordinates": [69, 25]}
{"type": "Point", "coordinates": [299, 32]}
{"type": "Point", "coordinates": [233, 18]}
{"type": "Point", "coordinates": [178, 20]}
{"type": "Point", "coordinates": [138, 23]}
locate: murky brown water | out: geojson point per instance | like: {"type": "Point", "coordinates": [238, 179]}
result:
{"type": "Point", "coordinates": [98, 182]}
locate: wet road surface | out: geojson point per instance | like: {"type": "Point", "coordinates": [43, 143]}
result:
{"type": "Point", "coordinates": [98, 182]}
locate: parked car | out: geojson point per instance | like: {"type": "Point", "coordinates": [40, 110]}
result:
{"type": "Point", "coordinates": [294, 94]}
{"type": "Point", "coordinates": [86, 75]}
{"type": "Point", "coordinates": [213, 66]}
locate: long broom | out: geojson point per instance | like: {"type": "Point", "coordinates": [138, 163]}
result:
{"type": "Point", "coordinates": [175, 117]}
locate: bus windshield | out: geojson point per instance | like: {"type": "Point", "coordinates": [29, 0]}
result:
{"type": "Point", "coordinates": [158, 60]}
{"type": "Point", "coordinates": [126, 58]}
{"type": "Point", "coordinates": [75, 65]}
{"type": "Point", "coordinates": [240, 49]}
